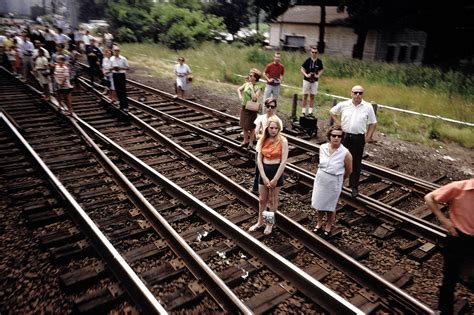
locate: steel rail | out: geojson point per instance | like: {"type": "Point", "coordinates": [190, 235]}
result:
{"type": "Point", "coordinates": [413, 224]}
{"type": "Point", "coordinates": [134, 285]}
{"type": "Point", "coordinates": [223, 295]}
{"type": "Point", "coordinates": [312, 288]}
{"type": "Point", "coordinates": [395, 176]}
{"type": "Point", "coordinates": [215, 286]}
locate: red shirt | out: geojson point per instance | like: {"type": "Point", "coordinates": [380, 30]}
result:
{"type": "Point", "coordinates": [274, 71]}
{"type": "Point", "coordinates": [460, 196]}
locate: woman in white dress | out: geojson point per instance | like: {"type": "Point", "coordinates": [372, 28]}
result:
{"type": "Point", "coordinates": [182, 72]}
{"type": "Point", "coordinates": [335, 164]}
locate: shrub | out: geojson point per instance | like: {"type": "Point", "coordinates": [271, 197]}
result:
{"type": "Point", "coordinates": [124, 34]}
{"type": "Point", "coordinates": [256, 55]}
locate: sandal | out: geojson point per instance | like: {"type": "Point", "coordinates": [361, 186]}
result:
{"type": "Point", "coordinates": [316, 229]}
{"type": "Point", "coordinates": [326, 233]}
{"type": "Point", "coordinates": [268, 229]}
{"type": "Point", "coordinates": [250, 147]}
{"type": "Point", "coordinates": [255, 227]}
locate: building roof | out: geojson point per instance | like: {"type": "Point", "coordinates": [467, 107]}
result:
{"type": "Point", "coordinates": [311, 14]}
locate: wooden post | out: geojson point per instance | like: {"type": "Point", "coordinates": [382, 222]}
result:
{"type": "Point", "coordinates": [294, 107]}
{"type": "Point", "coordinates": [375, 107]}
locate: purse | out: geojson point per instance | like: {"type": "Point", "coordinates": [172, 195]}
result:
{"type": "Point", "coordinates": [253, 106]}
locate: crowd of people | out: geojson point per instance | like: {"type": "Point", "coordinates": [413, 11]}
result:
{"type": "Point", "coordinates": [51, 57]}
{"type": "Point", "coordinates": [340, 157]}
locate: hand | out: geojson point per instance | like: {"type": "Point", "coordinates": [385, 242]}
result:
{"type": "Point", "coordinates": [266, 182]}
{"type": "Point", "coordinates": [448, 225]}
{"type": "Point", "coordinates": [272, 184]}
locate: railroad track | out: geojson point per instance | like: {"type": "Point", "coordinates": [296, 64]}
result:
{"type": "Point", "coordinates": [144, 238]}
{"type": "Point", "coordinates": [220, 152]}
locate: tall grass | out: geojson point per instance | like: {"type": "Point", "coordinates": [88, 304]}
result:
{"type": "Point", "coordinates": [415, 88]}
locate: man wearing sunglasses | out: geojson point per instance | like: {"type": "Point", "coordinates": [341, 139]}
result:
{"type": "Point", "coordinates": [358, 122]}
{"type": "Point", "coordinates": [311, 69]}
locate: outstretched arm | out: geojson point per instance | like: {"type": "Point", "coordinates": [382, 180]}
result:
{"type": "Point", "coordinates": [435, 208]}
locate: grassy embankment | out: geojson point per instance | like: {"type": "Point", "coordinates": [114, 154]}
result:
{"type": "Point", "coordinates": [408, 87]}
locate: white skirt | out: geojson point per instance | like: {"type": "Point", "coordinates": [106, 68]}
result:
{"type": "Point", "coordinates": [182, 83]}
{"type": "Point", "coordinates": [326, 191]}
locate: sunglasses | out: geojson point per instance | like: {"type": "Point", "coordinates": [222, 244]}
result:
{"type": "Point", "coordinates": [357, 92]}
{"type": "Point", "coordinates": [270, 106]}
{"type": "Point", "coordinates": [336, 136]}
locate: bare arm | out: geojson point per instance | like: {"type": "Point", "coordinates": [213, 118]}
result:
{"type": "Point", "coordinates": [303, 72]}
{"type": "Point", "coordinates": [370, 132]}
{"type": "Point", "coordinates": [281, 168]}
{"type": "Point", "coordinates": [239, 91]}
{"type": "Point", "coordinates": [265, 75]}
{"type": "Point", "coordinates": [435, 208]}
{"type": "Point", "coordinates": [260, 168]}
{"type": "Point", "coordinates": [335, 118]}
{"type": "Point", "coordinates": [347, 164]}
{"type": "Point", "coordinates": [320, 72]}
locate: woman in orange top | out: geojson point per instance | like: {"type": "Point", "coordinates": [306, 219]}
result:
{"type": "Point", "coordinates": [271, 161]}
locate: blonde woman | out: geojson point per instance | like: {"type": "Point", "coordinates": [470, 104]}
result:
{"type": "Point", "coordinates": [271, 161]}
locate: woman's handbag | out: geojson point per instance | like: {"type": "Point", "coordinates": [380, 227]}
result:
{"type": "Point", "coordinates": [253, 106]}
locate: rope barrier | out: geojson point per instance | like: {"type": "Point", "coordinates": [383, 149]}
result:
{"type": "Point", "coordinates": [387, 107]}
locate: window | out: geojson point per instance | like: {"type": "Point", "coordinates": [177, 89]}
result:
{"type": "Point", "coordinates": [402, 54]}
{"type": "Point", "coordinates": [296, 41]}
{"type": "Point", "coordinates": [414, 52]}
{"type": "Point", "coordinates": [390, 53]}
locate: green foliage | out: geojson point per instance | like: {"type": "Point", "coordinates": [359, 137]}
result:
{"type": "Point", "coordinates": [126, 35]}
{"type": "Point", "coordinates": [191, 5]}
{"type": "Point", "coordinates": [133, 15]}
{"type": "Point", "coordinates": [180, 28]}
{"type": "Point", "coordinates": [234, 13]}
{"type": "Point", "coordinates": [254, 39]}
{"type": "Point", "coordinates": [406, 75]}
{"type": "Point", "coordinates": [256, 55]}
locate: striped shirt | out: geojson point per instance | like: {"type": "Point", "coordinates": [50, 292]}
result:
{"type": "Point", "coordinates": [61, 76]}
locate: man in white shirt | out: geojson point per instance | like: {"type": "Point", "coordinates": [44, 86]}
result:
{"type": "Point", "coordinates": [358, 122]}
{"type": "Point", "coordinates": [39, 46]}
{"type": "Point", "coordinates": [119, 69]}
{"type": "Point", "coordinates": [26, 49]}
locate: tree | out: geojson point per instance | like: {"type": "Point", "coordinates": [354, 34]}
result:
{"type": "Point", "coordinates": [180, 28]}
{"type": "Point", "coordinates": [91, 10]}
{"type": "Point", "coordinates": [365, 15]}
{"type": "Point", "coordinates": [273, 8]}
{"type": "Point", "coordinates": [234, 12]}
{"type": "Point", "coordinates": [131, 14]}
